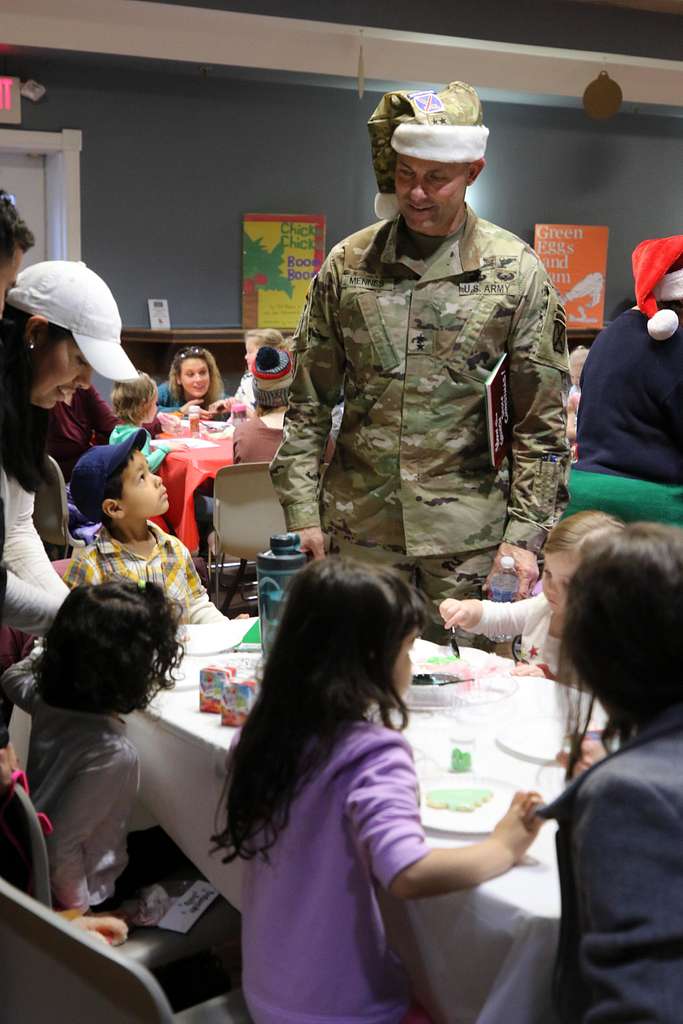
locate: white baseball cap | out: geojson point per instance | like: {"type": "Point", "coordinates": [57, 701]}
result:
{"type": "Point", "coordinates": [70, 295]}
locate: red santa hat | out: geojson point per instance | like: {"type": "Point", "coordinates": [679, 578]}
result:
{"type": "Point", "coordinates": [658, 273]}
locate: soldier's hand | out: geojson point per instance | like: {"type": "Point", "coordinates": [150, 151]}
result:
{"type": "Point", "coordinates": [526, 568]}
{"type": "Point", "coordinates": [312, 541]}
{"type": "Point", "coordinates": [466, 614]}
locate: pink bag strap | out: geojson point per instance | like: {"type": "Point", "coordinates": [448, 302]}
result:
{"type": "Point", "coordinates": [19, 779]}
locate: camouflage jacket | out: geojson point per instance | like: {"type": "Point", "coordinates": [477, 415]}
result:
{"type": "Point", "coordinates": [409, 345]}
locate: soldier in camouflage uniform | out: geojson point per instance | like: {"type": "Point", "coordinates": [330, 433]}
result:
{"type": "Point", "coordinates": [406, 318]}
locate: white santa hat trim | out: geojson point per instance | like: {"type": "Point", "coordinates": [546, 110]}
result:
{"type": "Point", "coordinates": [663, 324]}
{"type": "Point", "coordinates": [670, 287]}
{"type": "Point", "coordinates": [386, 205]}
{"type": "Point", "coordinates": [449, 144]}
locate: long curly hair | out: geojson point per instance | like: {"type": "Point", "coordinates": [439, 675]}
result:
{"type": "Point", "coordinates": [111, 648]}
{"type": "Point", "coordinates": [331, 664]}
{"type": "Point", "coordinates": [215, 380]}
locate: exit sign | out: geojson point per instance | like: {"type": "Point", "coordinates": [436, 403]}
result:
{"type": "Point", "coordinates": [10, 100]}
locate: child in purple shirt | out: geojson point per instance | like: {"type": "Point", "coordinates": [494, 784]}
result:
{"type": "Point", "coordinates": [323, 805]}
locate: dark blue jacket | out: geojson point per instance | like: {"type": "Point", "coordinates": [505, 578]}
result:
{"type": "Point", "coordinates": [620, 856]}
{"type": "Point", "coordinates": [630, 420]}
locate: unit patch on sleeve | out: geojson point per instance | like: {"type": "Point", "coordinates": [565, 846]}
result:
{"type": "Point", "coordinates": [427, 102]}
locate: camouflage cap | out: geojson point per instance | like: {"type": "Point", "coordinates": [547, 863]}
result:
{"type": "Point", "coordinates": [445, 126]}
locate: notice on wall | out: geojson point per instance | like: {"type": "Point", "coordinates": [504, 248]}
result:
{"type": "Point", "coordinates": [159, 316]}
{"type": "Point", "coordinates": [575, 256]}
{"type": "Point", "coordinates": [281, 253]}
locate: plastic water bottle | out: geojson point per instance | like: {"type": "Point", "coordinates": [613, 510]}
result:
{"type": "Point", "coordinates": [193, 418]}
{"type": "Point", "coordinates": [503, 586]}
{"type": "Point", "coordinates": [274, 570]}
{"type": "Point", "coordinates": [238, 413]}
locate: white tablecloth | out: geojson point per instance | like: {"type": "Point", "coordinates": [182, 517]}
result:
{"type": "Point", "coordinates": [482, 956]}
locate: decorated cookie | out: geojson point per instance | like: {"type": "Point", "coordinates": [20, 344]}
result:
{"type": "Point", "coordinates": [466, 800]}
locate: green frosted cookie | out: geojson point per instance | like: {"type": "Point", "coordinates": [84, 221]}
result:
{"type": "Point", "coordinates": [458, 799]}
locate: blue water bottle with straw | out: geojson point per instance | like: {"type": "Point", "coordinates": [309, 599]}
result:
{"type": "Point", "coordinates": [274, 570]}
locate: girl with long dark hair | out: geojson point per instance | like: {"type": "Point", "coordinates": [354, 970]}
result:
{"type": "Point", "coordinates": [322, 805]}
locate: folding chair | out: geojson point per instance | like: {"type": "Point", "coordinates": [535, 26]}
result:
{"type": "Point", "coordinates": [51, 970]}
{"type": "Point", "coordinates": [37, 849]}
{"type": "Point", "coordinates": [246, 512]}
{"type": "Point", "coordinates": [51, 511]}
{"type": "Point", "coordinates": [150, 947]}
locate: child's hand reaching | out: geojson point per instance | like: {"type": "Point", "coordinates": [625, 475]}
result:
{"type": "Point", "coordinates": [466, 614]}
{"type": "Point", "coordinates": [517, 830]}
{"type": "Point", "coordinates": [109, 928]}
{"type": "Point", "coordinates": [442, 871]}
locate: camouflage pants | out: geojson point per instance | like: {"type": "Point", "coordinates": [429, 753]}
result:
{"type": "Point", "coordinates": [454, 575]}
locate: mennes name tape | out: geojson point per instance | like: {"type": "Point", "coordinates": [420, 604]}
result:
{"type": "Point", "coordinates": [353, 279]}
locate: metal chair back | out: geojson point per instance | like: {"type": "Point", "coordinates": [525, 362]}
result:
{"type": "Point", "coordinates": [51, 510]}
{"type": "Point", "coordinates": [51, 970]}
{"type": "Point", "coordinates": [40, 867]}
{"type": "Point", "coordinates": [246, 513]}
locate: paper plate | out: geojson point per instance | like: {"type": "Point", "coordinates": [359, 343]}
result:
{"type": "Point", "coordinates": [480, 821]}
{"type": "Point", "coordinates": [208, 638]}
{"type": "Point", "coordinates": [533, 739]}
{"type": "Point", "coordinates": [423, 650]}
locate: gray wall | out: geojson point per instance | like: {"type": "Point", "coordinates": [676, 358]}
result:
{"type": "Point", "coordinates": [171, 161]}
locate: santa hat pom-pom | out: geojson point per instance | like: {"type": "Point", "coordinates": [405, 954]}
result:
{"type": "Point", "coordinates": [386, 205]}
{"type": "Point", "coordinates": [662, 325]}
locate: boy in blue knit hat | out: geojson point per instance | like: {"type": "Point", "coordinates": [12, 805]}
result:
{"type": "Point", "coordinates": [114, 485]}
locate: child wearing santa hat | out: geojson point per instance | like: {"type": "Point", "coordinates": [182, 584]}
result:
{"type": "Point", "coordinates": [630, 422]}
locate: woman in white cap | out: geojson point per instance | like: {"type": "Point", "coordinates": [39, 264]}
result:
{"type": "Point", "coordinates": [66, 323]}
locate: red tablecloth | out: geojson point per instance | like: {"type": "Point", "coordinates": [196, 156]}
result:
{"type": "Point", "coordinates": [183, 472]}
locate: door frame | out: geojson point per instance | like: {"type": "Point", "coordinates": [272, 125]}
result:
{"type": "Point", "coordinates": [62, 152]}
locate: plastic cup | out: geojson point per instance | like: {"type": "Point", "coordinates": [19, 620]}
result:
{"type": "Point", "coordinates": [463, 746]}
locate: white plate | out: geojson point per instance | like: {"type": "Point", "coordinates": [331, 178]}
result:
{"type": "Point", "coordinates": [533, 739]}
{"type": "Point", "coordinates": [474, 823]}
{"type": "Point", "coordinates": [207, 638]}
{"type": "Point", "coordinates": [424, 649]}
{"type": "Point", "coordinates": [489, 690]}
